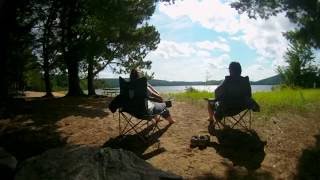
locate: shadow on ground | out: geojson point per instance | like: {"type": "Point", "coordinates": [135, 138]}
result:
{"type": "Point", "coordinates": [309, 162]}
{"type": "Point", "coordinates": [135, 144]}
{"type": "Point", "coordinates": [30, 127]}
{"type": "Point", "coordinates": [243, 148]}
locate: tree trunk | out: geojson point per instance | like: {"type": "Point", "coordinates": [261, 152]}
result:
{"type": "Point", "coordinates": [69, 51]}
{"type": "Point", "coordinates": [91, 89]}
{"type": "Point", "coordinates": [46, 49]}
{"type": "Point", "coordinates": [73, 78]}
{"type": "Point", "coordinates": [3, 62]}
{"type": "Point", "coordinates": [3, 68]}
{"type": "Point", "coordinates": [7, 19]}
{"type": "Point", "coordinates": [47, 81]}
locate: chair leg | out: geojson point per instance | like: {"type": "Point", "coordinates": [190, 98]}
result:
{"type": "Point", "coordinates": [131, 126]}
{"type": "Point", "coordinates": [240, 120]}
{"type": "Point", "coordinates": [122, 132]}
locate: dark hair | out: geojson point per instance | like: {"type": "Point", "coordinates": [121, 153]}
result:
{"type": "Point", "coordinates": [235, 69]}
{"type": "Point", "coordinates": [134, 74]}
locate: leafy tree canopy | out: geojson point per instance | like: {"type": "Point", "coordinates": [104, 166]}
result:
{"type": "Point", "coordinates": [301, 70]}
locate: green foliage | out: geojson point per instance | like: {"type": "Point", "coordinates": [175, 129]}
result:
{"type": "Point", "coordinates": [305, 14]}
{"type": "Point", "coordinates": [34, 80]}
{"type": "Point", "coordinates": [71, 35]}
{"type": "Point", "coordinates": [301, 70]}
{"type": "Point", "coordinates": [193, 95]}
{"type": "Point", "coordinates": [191, 89]}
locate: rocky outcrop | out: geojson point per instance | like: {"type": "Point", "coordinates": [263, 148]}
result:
{"type": "Point", "coordinates": [87, 163]}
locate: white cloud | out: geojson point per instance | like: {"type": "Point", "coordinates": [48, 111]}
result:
{"type": "Point", "coordinates": [171, 49]}
{"type": "Point", "coordinates": [211, 14]}
{"type": "Point", "coordinates": [222, 39]}
{"type": "Point", "coordinates": [264, 36]}
{"type": "Point", "coordinates": [235, 38]}
{"type": "Point", "coordinates": [208, 45]}
{"type": "Point", "coordinates": [202, 53]}
{"type": "Point", "coordinates": [189, 62]}
{"type": "Point", "coordinates": [258, 72]}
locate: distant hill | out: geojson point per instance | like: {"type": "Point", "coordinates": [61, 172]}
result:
{"type": "Point", "coordinates": [156, 82]}
{"type": "Point", "coordinates": [274, 80]}
{"type": "Point", "coordinates": [114, 82]}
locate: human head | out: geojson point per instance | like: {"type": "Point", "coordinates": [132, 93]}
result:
{"type": "Point", "coordinates": [235, 69]}
{"type": "Point", "coordinates": [134, 74]}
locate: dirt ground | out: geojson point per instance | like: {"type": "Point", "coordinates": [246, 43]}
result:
{"type": "Point", "coordinates": [283, 145]}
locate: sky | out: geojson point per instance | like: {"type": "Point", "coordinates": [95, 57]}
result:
{"type": "Point", "coordinates": [199, 38]}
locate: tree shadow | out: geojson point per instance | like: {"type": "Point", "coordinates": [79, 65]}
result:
{"type": "Point", "coordinates": [30, 127]}
{"type": "Point", "coordinates": [309, 162]}
{"type": "Point", "coordinates": [135, 144]}
{"type": "Point", "coordinates": [242, 148]}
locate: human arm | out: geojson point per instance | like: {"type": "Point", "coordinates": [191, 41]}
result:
{"type": "Point", "coordinates": [248, 87]}
{"type": "Point", "coordinates": [219, 91]}
{"type": "Point", "coordinates": [154, 94]}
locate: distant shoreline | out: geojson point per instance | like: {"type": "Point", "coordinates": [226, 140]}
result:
{"type": "Point", "coordinates": [274, 80]}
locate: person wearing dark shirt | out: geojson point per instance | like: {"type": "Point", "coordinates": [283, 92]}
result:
{"type": "Point", "coordinates": [234, 92]}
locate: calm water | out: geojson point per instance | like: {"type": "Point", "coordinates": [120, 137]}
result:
{"type": "Point", "coordinates": [177, 89]}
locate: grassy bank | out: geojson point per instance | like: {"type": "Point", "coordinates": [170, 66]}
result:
{"type": "Point", "coordinates": [285, 99]}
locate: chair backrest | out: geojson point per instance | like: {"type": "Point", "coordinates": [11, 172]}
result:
{"type": "Point", "coordinates": [238, 91]}
{"type": "Point", "coordinates": [135, 96]}
{"type": "Point", "coordinates": [237, 87]}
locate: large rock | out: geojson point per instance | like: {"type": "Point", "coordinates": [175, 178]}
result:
{"type": "Point", "coordinates": [86, 163]}
{"type": "Point", "coordinates": [8, 164]}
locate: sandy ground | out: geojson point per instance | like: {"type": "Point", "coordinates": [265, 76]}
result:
{"type": "Point", "coordinates": [41, 124]}
{"type": "Point", "coordinates": [31, 94]}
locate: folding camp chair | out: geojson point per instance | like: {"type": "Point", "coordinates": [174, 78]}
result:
{"type": "Point", "coordinates": [237, 116]}
{"type": "Point", "coordinates": [134, 117]}
{"type": "Point", "coordinates": [242, 119]}
{"type": "Point", "coordinates": [235, 106]}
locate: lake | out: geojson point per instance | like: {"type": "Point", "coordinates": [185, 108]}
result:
{"type": "Point", "coordinates": [211, 88]}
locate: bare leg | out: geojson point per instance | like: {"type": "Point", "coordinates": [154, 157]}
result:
{"type": "Point", "coordinates": [210, 112]}
{"type": "Point", "coordinates": [171, 121]}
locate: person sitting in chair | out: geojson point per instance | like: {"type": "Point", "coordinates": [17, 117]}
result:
{"type": "Point", "coordinates": [232, 96]}
{"type": "Point", "coordinates": [156, 104]}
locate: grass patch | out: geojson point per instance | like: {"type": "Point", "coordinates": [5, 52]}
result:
{"type": "Point", "coordinates": [288, 99]}
{"type": "Point", "coordinates": [190, 96]}
{"type": "Point", "coordinates": [277, 100]}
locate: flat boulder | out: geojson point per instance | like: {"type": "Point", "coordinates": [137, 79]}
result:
{"type": "Point", "coordinates": [88, 163]}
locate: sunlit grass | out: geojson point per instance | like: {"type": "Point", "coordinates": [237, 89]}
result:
{"type": "Point", "coordinates": [277, 100]}
{"type": "Point", "coordinates": [191, 96]}
{"type": "Point", "coordinates": [288, 99]}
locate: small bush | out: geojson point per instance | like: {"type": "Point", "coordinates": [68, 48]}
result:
{"type": "Point", "coordinates": [191, 89]}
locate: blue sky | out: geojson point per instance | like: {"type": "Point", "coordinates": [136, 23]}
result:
{"type": "Point", "coordinates": [199, 38]}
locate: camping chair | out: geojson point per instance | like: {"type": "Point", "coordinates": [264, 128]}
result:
{"type": "Point", "coordinates": [237, 105]}
{"type": "Point", "coordinates": [134, 117]}
{"type": "Point", "coordinates": [236, 116]}
{"type": "Point", "coordinates": [239, 117]}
